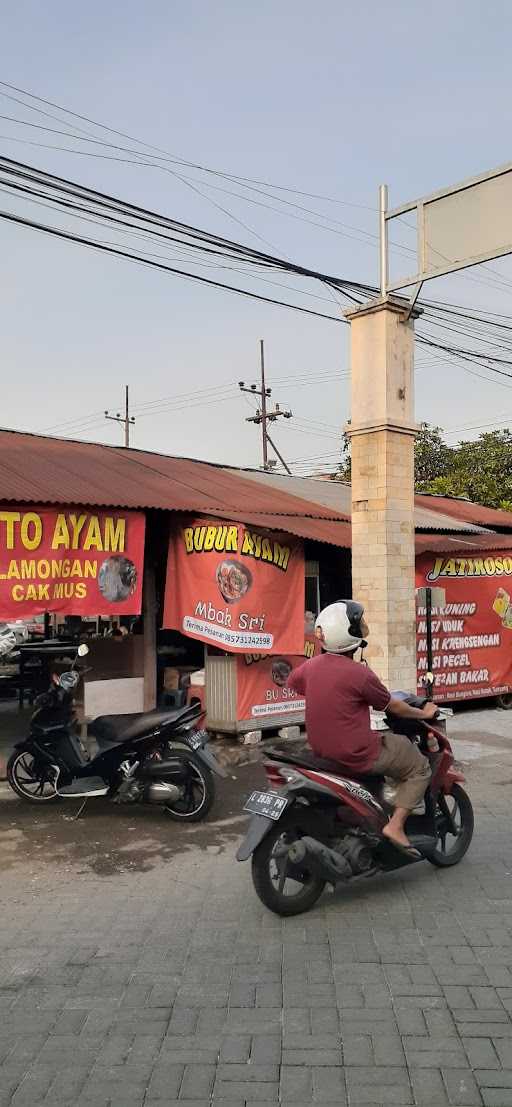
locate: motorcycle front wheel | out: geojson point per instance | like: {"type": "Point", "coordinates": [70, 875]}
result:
{"type": "Point", "coordinates": [280, 886]}
{"type": "Point", "coordinates": [198, 794]}
{"type": "Point", "coordinates": [30, 780]}
{"type": "Point", "coordinates": [454, 821]}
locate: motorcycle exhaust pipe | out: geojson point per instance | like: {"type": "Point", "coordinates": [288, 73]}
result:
{"type": "Point", "coordinates": [320, 860]}
{"type": "Point", "coordinates": [162, 792]}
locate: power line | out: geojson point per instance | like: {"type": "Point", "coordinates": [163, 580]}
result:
{"type": "Point", "coordinates": [57, 188]}
{"type": "Point", "coordinates": [191, 182]}
{"type": "Point", "coordinates": [94, 244]}
{"type": "Point", "coordinates": [131, 229]}
{"type": "Point", "coordinates": [469, 355]}
{"type": "Point", "coordinates": [194, 236]}
{"type": "Point", "coordinates": [162, 154]}
{"type": "Point", "coordinates": [167, 154]}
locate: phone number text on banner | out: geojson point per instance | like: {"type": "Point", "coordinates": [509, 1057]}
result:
{"type": "Point", "coordinates": [235, 587]}
{"type": "Point", "coordinates": [73, 561]}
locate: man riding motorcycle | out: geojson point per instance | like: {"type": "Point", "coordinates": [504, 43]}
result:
{"type": "Point", "coordinates": [339, 693]}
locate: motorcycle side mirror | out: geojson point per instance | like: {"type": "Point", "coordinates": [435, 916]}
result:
{"type": "Point", "coordinates": [83, 650]}
{"type": "Point", "coordinates": [69, 680]}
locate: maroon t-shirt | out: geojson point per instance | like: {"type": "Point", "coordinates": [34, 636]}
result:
{"type": "Point", "coordinates": [339, 693]}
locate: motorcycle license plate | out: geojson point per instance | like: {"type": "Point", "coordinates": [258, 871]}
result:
{"type": "Point", "coordinates": [197, 739]}
{"type": "Point", "coordinates": [270, 804]}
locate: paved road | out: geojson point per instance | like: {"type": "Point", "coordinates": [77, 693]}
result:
{"type": "Point", "coordinates": [138, 968]}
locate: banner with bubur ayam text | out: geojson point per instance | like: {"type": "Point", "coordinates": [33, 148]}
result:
{"type": "Point", "coordinates": [236, 587]}
{"type": "Point", "coordinates": [71, 561]}
{"type": "Point", "coordinates": [472, 634]}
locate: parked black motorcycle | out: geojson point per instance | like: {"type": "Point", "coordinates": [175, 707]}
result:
{"type": "Point", "coordinates": [152, 757]}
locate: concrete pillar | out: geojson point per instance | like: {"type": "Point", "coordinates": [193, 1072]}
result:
{"type": "Point", "coordinates": [382, 432]}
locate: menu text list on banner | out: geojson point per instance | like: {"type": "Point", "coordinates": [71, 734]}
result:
{"type": "Point", "coordinates": [472, 633]}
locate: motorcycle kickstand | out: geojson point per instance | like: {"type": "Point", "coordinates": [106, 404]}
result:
{"type": "Point", "coordinates": [79, 812]}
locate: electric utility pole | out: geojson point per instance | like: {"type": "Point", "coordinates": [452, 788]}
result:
{"type": "Point", "coordinates": [263, 416]}
{"type": "Point", "coordinates": [127, 420]}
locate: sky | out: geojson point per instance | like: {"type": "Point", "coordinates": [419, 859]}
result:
{"type": "Point", "coordinates": [327, 99]}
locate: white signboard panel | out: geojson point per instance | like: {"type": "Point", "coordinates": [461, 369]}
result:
{"type": "Point", "coordinates": [474, 223]}
{"type": "Point", "coordinates": [459, 226]}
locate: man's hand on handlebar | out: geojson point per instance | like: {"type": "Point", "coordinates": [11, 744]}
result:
{"type": "Point", "coordinates": [403, 710]}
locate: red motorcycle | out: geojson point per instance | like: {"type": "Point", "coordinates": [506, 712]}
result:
{"type": "Point", "coordinates": [317, 827]}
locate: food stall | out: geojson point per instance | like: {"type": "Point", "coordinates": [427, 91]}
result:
{"type": "Point", "coordinates": [249, 692]}
{"type": "Point", "coordinates": [241, 590]}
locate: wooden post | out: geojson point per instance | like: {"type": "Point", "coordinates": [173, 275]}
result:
{"type": "Point", "coordinates": [149, 610]}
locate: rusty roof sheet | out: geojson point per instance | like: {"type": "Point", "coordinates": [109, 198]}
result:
{"type": "Point", "coordinates": [467, 511]}
{"type": "Point", "coordinates": [459, 544]}
{"type": "Point", "coordinates": [339, 533]}
{"type": "Point", "coordinates": [336, 532]}
{"type": "Point", "coordinates": [38, 469]}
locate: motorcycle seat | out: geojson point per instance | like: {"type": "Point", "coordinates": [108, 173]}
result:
{"type": "Point", "coordinates": [110, 730]}
{"type": "Point", "coordinates": [306, 759]}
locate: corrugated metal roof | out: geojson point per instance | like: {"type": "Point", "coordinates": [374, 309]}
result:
{"type": "Point", "coordinates": [468, 511]}
{"type": "Point", "coordinates": [331, 494]}
{"type": "Point", "coordinates": [334, 532]}
{"type": "Point", "coordinates": [439, 521]}
{"type": "Point", "coordinates": [452, 543]}
{"type": "Point", "coordinates": [337, 495]}
{"type": "Point", "coordinates": [37, 469]}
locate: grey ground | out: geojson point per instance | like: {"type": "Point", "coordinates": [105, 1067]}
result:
{"type": "Point", "coordinates": [138, 968]}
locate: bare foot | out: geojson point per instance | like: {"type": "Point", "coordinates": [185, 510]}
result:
{"type": "Point", "coordinates": [399, 837]}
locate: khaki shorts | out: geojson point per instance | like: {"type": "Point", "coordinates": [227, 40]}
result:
{"type": "Point", "coordinates": [401, 761]}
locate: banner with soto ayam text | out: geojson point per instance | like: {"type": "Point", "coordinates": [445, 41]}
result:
{"type": "Point", "coordinates": [70, 560]}
{"type": "Point", "coordinates": [472, 633]}
{"type": "Point", "coordinates": [237, 587]}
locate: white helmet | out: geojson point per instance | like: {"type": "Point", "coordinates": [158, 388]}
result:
{"type": "Point", "coordinates": [339, 626]}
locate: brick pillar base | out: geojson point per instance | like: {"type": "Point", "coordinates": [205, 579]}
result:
{"type": "Point", "coordinates": [383, 551]}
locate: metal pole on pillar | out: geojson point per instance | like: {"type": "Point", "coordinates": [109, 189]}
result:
{"type": "Point", "coordinates": [383, 239]}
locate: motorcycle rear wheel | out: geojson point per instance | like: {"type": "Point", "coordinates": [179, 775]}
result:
{"type": "Point", "coordinates": [198, 794]}
{"type": "Point", "coordinates": [452, 848]}
{"type": "Point", "coordinates": [266, 871]}
{"type": "Point", "coordinates": [28, 781]}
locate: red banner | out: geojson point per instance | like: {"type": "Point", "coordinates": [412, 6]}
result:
{"type": "Point", "coordinates": [73, 561]}
{"type": "Point", "coordinates": [261, 683]}
{"type": "Point", "coordinates": [472, 634]}
{"type": "Point", "coordinates": [236, 587]}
